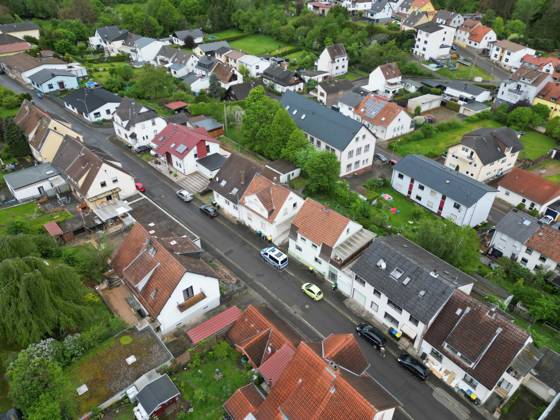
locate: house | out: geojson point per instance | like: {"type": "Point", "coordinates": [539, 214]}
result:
{"type": "Point", "coordinates": [21, 66]}
{"type": "Point", "coordinates": [177, 61]}
{"type": "Point", "coordinates": [447, 18]}
{"type": "Point", "coordinates": [136, 124]}
{"type": "Point", "coordinates": [333, 60]}
{"type": "Point", "coordinates": [125, 45]}
{"type": "Point", "coordinates": [329, 92]}
{"type": "Point", "coordinates": [187, 36]}
{"type": "Point", "coordinates": [403, 286]}
{"type": "Point", "coordinates": [508, 54]}
{"type": "Point", "coordinates": [255, 65]}
{"type": "Point", "coordinates": [196, 82]}
{"type": "Point", "coordinates": [460, 92]}
{"type": "Point", "coordinates": [471, 346]}
{"type": "Point", "coordinates": [449, 194]}
{"type": "Point", "coordinates": [475, 35]}
{"type": "Point", "coordinates": [543, 379]}
{"type": "Point", "coordinates": [210, 49]}
{"type": "Point", "coordinates": [423, 103]}
{"type": "Point", "coordinates": [143, 49]}
{"type": "Point", "coordinates": [155, 398]}
{"type": "Point", "coordinates": [385, 119]}
{"type": "Point", "coordinates": [433, 40]}
{"type": "Point", "coordinates": [356, 6]}
{"type": "Point", "coordinates": [231, 181]}
{"type": "Point", "coordinates": [522, 86]}
{"type": "Point", "coordinates": [108, 38]}
{"type": "Point", "coordinates": [226, 75]}
{"type": "Point", "coordinates": [521, 187]}
{"type": "Point", "coordinates": [95, 178]}
{"type": "Point", "coordinates": [523, 239]}
{"type": "Point", "coordinates": [93, 104]}
{"type": "Point", "coordinates": [240, 91]}
{"type": "Point", "coordinates": [485, 153]}
{"type": "Point", "coordinates": [21, 29]}
{"type": "Point", "coordinates": [172, 294]}
{"type": "Point", "coordinates": [381, 11]}
{"type": "Point", "coordinates": [325, 380]}
{"type": "Point", "coordinates": [351, 142]}
{"type": "Point", "coordinates": [282, 80]}
{"type": "Point", "coordinates": [47, 80]}
{"type": "Point", "coordinates": [550, 64]}
{"type": "Point", "coordinates": [415, 19]}
{"type": "Point", "coordinates": [210, 125]}
{"type": "Point", "coordinates": [326, 242]}
{"type": "Point", "coordinates": [473, 107]}
{"type": "Point", "coordinates": [281, 171]}
{"type": "Point", "coordinates": [10, 44]}
{"type": "Point", "coordinates": [230, 57]}
{"type": "Point", "coordinates": [550, 97]}
{"type": "Point", "coordinates": [411, 86]}
{"type": "Point", "coordinates": [320, 8]}
{"type": "Point", "coordinates": [315, 75]}
{"type": "Point", "coordinates": [34, 182]}
{"type": "Point", "coordinates": [385, 80]}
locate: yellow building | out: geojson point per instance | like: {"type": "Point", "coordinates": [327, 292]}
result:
{"type": "Point", "coordinates": [550, 96]}
{"type": "Point", "coordinates": [423, 6]}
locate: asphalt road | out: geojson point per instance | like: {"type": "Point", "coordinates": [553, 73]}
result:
{"type": "Point", "coordinates": [238, 249]}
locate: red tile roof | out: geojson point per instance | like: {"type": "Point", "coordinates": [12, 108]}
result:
{"type": "Point", "coordinates": [530, 185]}
{"type": "Point", "coordinates": [546, 240]}
{"type": "Point", "coordinates": [53, 229]}
{"type": "Point", "coordinates": [469, 25]}
{"type": "Point", "coordinates": [343, 349]}
{"type": "Point", "coordinates": [479, 32]}
{"type": "Point", "coordinates": [15, 47]}
{"type": "Point", "coordinates": [179, 140]}
{"type": "Point", "coordinates": [272, 368]}
{"type": "Point", "coordinates": [272, 196]}
{"type": "Point", "coordinates": [214, 325]}
{"type": "Point", "coordinates": [176, 105]}
{"type": "Point", "coordinates": [244, 401]}
{"type": "Point", "coordinates": [384, 116]}
{"type": "Point", "coordinates": [320, 224]}
{"type": "Point", "coordinates": [550, 92]}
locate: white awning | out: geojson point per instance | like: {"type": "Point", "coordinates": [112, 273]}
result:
{"type": "Point", "coordinates": [110, 211]}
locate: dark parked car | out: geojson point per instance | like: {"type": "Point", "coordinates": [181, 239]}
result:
{"type": "Point", "coordinates": [140, 149]}
{"type": "Point", "coordinates": [209, 210]}
{"type": "Point", "coordinates": [413, 365]}
{"type": "Point", "coordinates": [371, 334]}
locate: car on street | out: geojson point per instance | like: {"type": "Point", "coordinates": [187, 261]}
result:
{"type": "Point", "coordinates": [371, 334]}
{"type": "Point", "coordinates": [140, 149]}
{"type": "Point", "coordinates": [274, 257]}
{"type": "Point", "coordinates": [382, 158]}
{"type": "Point", "coordinates": [415, 366]}
{"type": "Point", "coordinates": [313, 291]}
{"type": "Point", "coordinates": [209, 210]}
{"type": "Point", "coordinates": [185, 196]}
{"type": "Point", "coordinates": [140, 187]}
{"type": "Point", "coordinates": [546, 220]}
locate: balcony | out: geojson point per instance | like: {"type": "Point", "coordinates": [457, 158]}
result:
{"type": "Point", "coordinates": [190, 302]}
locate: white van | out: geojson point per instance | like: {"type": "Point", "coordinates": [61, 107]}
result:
{"type": "Point", "coordinates": [275, 257]}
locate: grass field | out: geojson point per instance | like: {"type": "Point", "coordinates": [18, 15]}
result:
{"type": "Point", "coordinates": [550, 169]}
{"type": "Point", "coordinates": [223, 35]}
{"type": "Point", "coordinates": [8, 112]}
{"type": "Point", "coordinates": [440, 142]}
{"type": "Point", "coordinates": [464, 73]}
{"type": "Point", "coordinates": [535, 145]}
{"type": "Point", "coordinates": [354, 74]}
{"type": "Point", "coordinates": [31, 215]}
{"type": "Point", "coordinates": [259, 45]}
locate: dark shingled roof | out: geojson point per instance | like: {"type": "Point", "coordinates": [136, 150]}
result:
{"type": "Point", "coordinates": [429, 27]}
{"type": "Point", "coordinates": [336, 85]}
{"type": "Point", "coordinates": [129, 110]}
{"type": "Point", "coordinates": [193, 33]}
{"type": "Point", "coordinates": [281, 76]}
{"type": "Point", "coordinates": [212, 162]}
{"type": "Point", "coordinates": [234, 177]}
{"type": "Point", "coordinates": [427, 273]}
{"type": "Point", "coordinates": [18, 27]}
{"type": "Point", "coordinates": [548, 369]}
{"type": "Point", "coordinates": [88, 100]}
{"type": "Point", "coordinates": [458, 187]}
{"type": "Point", "coordinates": [336, 51]}
{"type": "Point", "coordinates": [490, 143]}
{"type": "Point", "coordinates": [156, 393]}
{"type": "Point", "coordinates": [45, 75]}
{"type": "Point", "coordinates": [241, 90]}
{"type": "Point", "coordinates": [112, 33]}
{"type": "Point", "coordinates": [518, 226]}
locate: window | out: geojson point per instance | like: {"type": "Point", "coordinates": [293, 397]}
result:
{"type": "Point", "coordinates": [103, 184]}
{"type": "Point", "coordinates": [524, 261]}
{"type": "Point", "coordinates": [302, 239]}
{"type": "Point", "coordinates": [394, 306]}
{"type": "Point", "coordinates": [298, 248]}
{"type": "Point", "coordinates": [358, 151]}
{"type": "Point", "coordinates": [318, 261]}
{"type": "Point", "coordinates": [456, 206]}
{"type": "Point", "coordinates": [366, 147]}
{"type": "Point", "coordinates": [108, 111]}
{"type": "Point", "coordinates": [115, 180]}
{"type": "Point", "coordinates": [360, 281]}
{"type": "Point", "coordinates": [528, 251]}
{"type": "Point", "coordinates": [350, 154]}
{"type": "Point", "coordinates": [419, 198]}
{"type": "Point", "coordinates": [397, 273]}
{"type": "Point", "coordinates": [356, 164]}
{"type": "Point", "coordinates": [421, 187]}
{"type": "Point", "coordinates": [314, 246]}
{"type": "Point", "coordinates": [401, 176]}
{"type": "Point", "coordinates": [542, 258]}
{"type": "Point", "coordinates": [376, 293]}
{"type": "Point", "coordinates": [97, 114]}
{"type": "Point", "coordinates": [50, 86]}
{"type": "Point", "coordinates": [374, 306]}
{"type": "Point", "coordinates": [392, 320]}
{"type": "Point", "coordinates": [469, 380]}
{"type": "Point", "coordinates": [436, 355]}
{"type": "Point", "coordinates": [505, 385]}
{"type": "Point", "coordinates": [413, 320]}
{"type": "Point", "coordinates": [188, 293]}
{"type": "Point", "coordinates": [348, 167]}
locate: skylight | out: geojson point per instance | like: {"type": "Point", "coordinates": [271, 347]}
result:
{"type": "Point", "coordinates": [397, 273]}
{"type": "Point", "coordinates": [406, 281]}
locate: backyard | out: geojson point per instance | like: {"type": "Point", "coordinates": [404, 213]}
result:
{"type": "Point", "coordinates": [31, 215]}
{"type": "Point", "coordinates": [550, 169]}
{"type": "Point", "coordinates": [464, 73]}
{"type": "Point", "coordinates": [223, 35]}
{"type": "Point", "coordinates": [535, 145]}
{"type": "Point", "coordinates": [260, 45]}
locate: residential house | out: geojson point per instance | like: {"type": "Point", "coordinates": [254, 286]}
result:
{"type": "Point", "coordinates": [22, 66]}
{"type": "Point", "coordinates": [475, 35]}
{"type": "Point", "coordinates": [523, 239]}
{"type": "Point", "coordinates": [35, 181]}
{"type": "Point", "coordinates": [281, 171]}
{"type": "Point", "coordinates": [485, 153]}
{"type": "Point", "coordinates": [403, 286]}
{"type": "Point", "coordinates": [240, 91]}
{"type": "Point", "coordinates": [326, 242]}
{"type": "Point", "coordinates": [521, 187]}
{"type": "Point", "coordinates": [320, 8]}
{"type": "Point", "coordinates": [109, 39]}
{"type": "Point", "coordinates": [144, 49]}
{"type": "Point", "coordinates": [449, 194]}
{"type": "Point", "coordinates": [177, 61]}
{"type": "Point", "coordinates": [326, 379]}
{"type": "Point", "coordinates": [10, 44]}
{"type": "Point", "coordinates": [447, 18]}
{"type": "Point", "coordinates": [210, 49]}
{"type": "Point", "coordinates": [356, 6]}
{"type": "Point", "coordinates": [155, 398]}
{"type": "Point", "coordinates": [269, 208]}
{"type": "Point", "coordinates": [550, 64]}
{"type": "Point", "coordinates": [226, 75]}
{"type": "Point", "coordinates": [282, 80]}
{"type": "Point", "coordinates": [329, 91]}
{"type": "Point", "coordinates": [125, 45]}
{"type": "Point", "coordinates": [414, 20]}
{"type": "Point", "coordinates": [315, 75]}
{"type": "Point", "coordinates": [459, 91]}
{"type": "Point", "coordinates": [473, 107]}
{"type": "Point", "coordinates": [423, 103]}
{"type": "Point", "coordinates": [351, 142]}
{"type": "Point", "coordinates": [47, 80]}
{"type": "Point", "coordinates": [230, 57]}
{"type": "Point", "coordinates": [508, 54]}
{"type": "Point", "coordinates": [385, 119]}
{"type": "Point", "coordinates": [136, 124]}
{"type": "Point", "coordinates": [406, 7]}
{"type": "Point", "coordinates": [471, 346]}
{"type": "Point", "coordinates": [21, 29]}
{"type": "Point", "coordinates": [255, 65]}
{"type": "Point", "coordinates": [550, 97]}
{"type": "Point", "coordinates": [182, 37]}
{"type": "Point", "coordinates": [93, 104]}
{"type": "Point", "coordinates": [385, 80]}
{"type": "Point", "coordinates": [411, 86]}
{"type": "Point", "coordinates": [205, 65]}
{"type": "Point", "coordinates": [95, 178]}
{"type": "Point", "coordinates": [381, 11]}
{"type": "Point", "coordinates": [333, 60]}
{"type": "Point", "coordinates": [172, 293]}
{"type": "Point", "coordinates": [433, 40]}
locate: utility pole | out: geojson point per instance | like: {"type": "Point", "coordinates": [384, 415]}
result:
{"type": "Point", "coordinates": [225, 118]}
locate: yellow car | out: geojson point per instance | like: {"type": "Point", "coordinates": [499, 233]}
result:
{"type": "Point", "coordinates": [312, 291]}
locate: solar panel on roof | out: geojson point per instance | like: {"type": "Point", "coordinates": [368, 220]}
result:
{"type": "Point", "coordinates": [373, 108]}
{"type": "Point", "coordinates": [181, 148]}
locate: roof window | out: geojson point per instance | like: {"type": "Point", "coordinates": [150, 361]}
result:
{"type": "Point", "coordinates": [397, 273]}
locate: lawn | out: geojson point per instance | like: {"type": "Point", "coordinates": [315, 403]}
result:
{"type": "Point", "coordinates": [8, 112]}
{"type": "Point", "coordinates": [223, 35]}
{"type": "Point", "coordinates": [464, 73]}
{"type": "Point", "coordinates": [198, 384]}
{"type": "Point", "coordinates": [535, 145]}
{"type": "Point", "coordinates": [550, 169]}
{"type": "Point", "coordinates": [354, 74]}
{"type": "Point", "coordinates": [259, 45]}
{"type": "Point", "coordinates": [30, 214]}
{"type": "Point", "coordinates": [440, 142]}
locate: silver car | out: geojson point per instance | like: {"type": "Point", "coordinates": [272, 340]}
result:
{"type": "Point", "coordinates": [185, 195]}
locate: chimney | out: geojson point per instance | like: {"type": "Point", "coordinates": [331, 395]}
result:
{"type": "Point", "coordinates": [242, 176]}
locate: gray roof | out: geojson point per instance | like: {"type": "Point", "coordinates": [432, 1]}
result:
{"type": "Point", "coordinates": [45, 75]}
{"type": "Point", "coordinates": [431, 280]}
{"type": "Point", "coordinates": [336, 85]}
{"type": "Point", "coordinates": [490, 143]}
{"type": "Point", "coordinates": [429, 27]}
{"type": "Point", "coordinates": [212, 162]}
{"type": "Point", "coordinates": [31, 175]}
{"type": "Point", "coordinates": [18, 27]}
{"type": "Point", "coordinates": [323, 123]}
{"type": "Point", "coordinates": [476, 106]}
{"type": "Point", "coordinates": [143, 41]}
{"type": "Point", "coordinates": [378, 6]}
{"type": "Point", "coordinates": [111, 33]}
{"type": "Point", "coordinates": [88, 100]}
{"type": "Point", "coordinates": [211, 47]}
{"type": "Point", "coordinates": [458, 187]}
{"type": "Point", "coordinates": [131, 111]}
{"type": "Point", "coordinates": [469, 88]}
{"type": "Point", "coordinates": [190, 78]}
{"type": "Point", "coordinates": [208, 123]}
{"type": "Point", "coordinates": [281, 76]}
{"type": "Point", "coordinates": [518, 225]}
{"type": "Point", "coordinates": [548, 369]}
{"type": "Point", "coordinates": [234, 177]}
{"type": "Point", "coordinates": [156, 393]}
{"type": "Point", "coordinates": [193, 33]}
{"type": "Point", "coordinates": [351, 99]}
{"type": "Point", "coordinates": [336, 50]}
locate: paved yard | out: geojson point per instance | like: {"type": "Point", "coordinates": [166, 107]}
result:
{"type": "Point", "coordinates": [193, 183]}
{"type": "Point", "coordinates": [116, 300]}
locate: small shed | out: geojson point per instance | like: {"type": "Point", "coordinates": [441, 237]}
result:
{"type": "Point", "coordinates": [53, 229]}
{"type": "Point", "coordinates": [473, 107]}
{"type": "Point", "coordinates": [281, 171]}
{"type": "Point", "coordinates": [217, 324]}
{"type": "Point", "coordinates": [213, 128]}
{"type": "Point", "coordinates": [156, 397]}
{"type": "Point", "coordinates": [425, 103]}
{"type": "Point", "coordinates": [177, 106]}
{"type": "Point", "coordinates": [35, 181]}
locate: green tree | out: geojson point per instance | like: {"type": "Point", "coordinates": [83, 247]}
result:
{"type": "Point", "coordinates": [15, 143]}
{"type": "Point", "coordinates": [499, 27]}
{"type": "Point", "coordinates": [215, 90]}
{"type": "Point", "coordinates": [553, 128]}
{"type": "Point", "coordinates": [281, 128]}
{"type": "Point", "coordinates": [259, 114]}
{"type": "Point", "coordinates": [322, 169]}
{"type": "Point", "coordinates": [545, 308]}
{"type": "Point", "coordinates": [152, 83]}
{"type": "Point", "coordinates": [83, 10]}
{"type": "Point", "coordinates": [90, 262]}
{"type": "Point", "coordinates": [520, 118]}
{"type": "Point", "coordinates": [166, 14]}
{"type": "Point", "coordinates": [515, 27]}
{"type": "Point", "coordinates": [296, 142]}
{"type": "Point", "coordinates": [541, 113]}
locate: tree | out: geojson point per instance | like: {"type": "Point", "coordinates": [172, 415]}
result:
{"type": "Point", "coordinates": [189, 42]}
{"type": "Point", "coordinates": [541, 113]}
{"type": "Point", "coordinates": [499, 27]}
{"type": "Point", "coordinates": [520, 118]}
{"type": "Point", "coordinates": [281, 128]}
{"type": "Point", "coordinates": [244, 71]}
{"type": "Point", "coordinates": [153, 83]}
{"type": "Point", "coordinates": [296, 142]}
{"type": "Point", "coordinates": [553, 128]}
{"type": "Point", "coordinates": [15, 143]}
{"type": "Point", "coordinates": [215, 90]}
{"type": "Point", "coordinates": [545, 308]}
{"type": "Point", "coordinates": [83, 10]}
{"type": "Point", "coordinates": [259, 113]}
{"type": "Point", "coordinates": [322, 169]}
{"type": "Point", "coordinates": [167, 15]}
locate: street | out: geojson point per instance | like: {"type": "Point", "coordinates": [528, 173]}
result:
{"type": "Point", "coordinates": [237, 248]}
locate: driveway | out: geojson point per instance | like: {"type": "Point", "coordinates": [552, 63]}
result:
{"type": "Point", "coordinates": [484, 63]}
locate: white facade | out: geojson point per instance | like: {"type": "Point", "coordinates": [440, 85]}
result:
{"type": "Point", "coordinates": [178, 41]}
{"type": "Point", "coordinates": [447, 208]}
{"type": "Point", "coordinates": [255, 65]}
{"type": "Point", "coordinates": [516, 199]}
{"type": "Point", "coordinates": [514, 91]}
{"type": "Point", "coordinates": [465, 96]}
{"type": "Point", "coordinates": [74, 68]}
{"type": "Point", "coordinates": [436, 44]}
{"type": "Point", "coordinates": [228, 207]}
{"type": "Point", "coordinates": [334, 66]}
{"type": "Point", "coordinates": [356, 6]}
{"type": "Point", "coordinates": [104, 112]}
{"type": "Point", "coordinates": [465, 160]}
{"type": "Point", "coordinates": [425, 103]}
{"type": "Point", "coordinates": [400, 125]}
{"type": "Point", "coordinates": [57, 83]}
{"type": "Point", "coordinates": [381, 16]}
{"type": "Point", "coordinates": [187, 164]}
{"type": "Point", "coordinates": [108, 179]}
{"type": "Point", "coordinates": [455, 22]}
{"type": "Point", "coordinates": [509, 59]}
{"type": "Point", "coordinates": [35, 190]}
{"type": "Point", "coordinates": [146, 53]}
{"type": "Point", "coordinates": [379, 84]}
{"type": "Point", "coordinates": [141, 133]}
{"type": "Point", "coordinates": [281, 88]}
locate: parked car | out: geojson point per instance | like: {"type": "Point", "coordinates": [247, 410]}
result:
{"type": "Point", "coordinates": [312, 291]}
{"type": "Point", "coordinates": [382, 158]}
{"type": "Point", "coordinates": [140, 187]}
{"type": "Point", "coordinates": [185, 195]}
{"type": "Point", "coordinates": [371, 334]}
{"type": "Point", "coordinates": [546, 220]}
{"type": "Point", "coordinates": [209, 210]}
{"type": "Point", "coordinates": [140, 149]}
{"type": "Point", "coordinates": [275, 257]}
{"type": "Point", "coordinates": [415, 366]}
